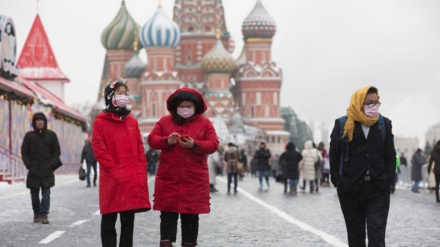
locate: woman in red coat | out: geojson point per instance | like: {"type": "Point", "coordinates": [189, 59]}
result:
{"type": "Point", "coordinates": [185, 138]}
{"type": "Point", "coordinates": [123, 186]}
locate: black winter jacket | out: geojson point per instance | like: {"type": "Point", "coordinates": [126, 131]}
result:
{"type": "Point", "coordinates": [263, 156]}
{"type": "Point", "coordinates": [87, 153]}
{"type": "Point", "coordinates": [376, 153]}
{"type": "Point", "coordinates": [435, 158]}
{"type": "Point", "coordinates": [289, 161]}
{"type": "Point", "coordinates": [41, 155]}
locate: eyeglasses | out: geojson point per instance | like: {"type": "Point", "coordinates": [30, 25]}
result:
{"type": "Point", "coordinates": [372, 105]}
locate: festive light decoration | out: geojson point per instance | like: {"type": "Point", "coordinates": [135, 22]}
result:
{"type": "Point", "coordinates": [13, 97]}
{"type": "Point", "coordinates": [66, 118]}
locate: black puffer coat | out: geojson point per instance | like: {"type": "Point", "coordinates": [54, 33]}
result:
{"type": "Point", "coordinates": [41, 154]}
{"type": "Point", "coordinates": [289, 161]}
{"type": "Point", "coordinates": [263, 155]}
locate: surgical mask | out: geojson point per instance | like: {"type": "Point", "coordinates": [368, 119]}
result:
{"type": "Point", "coordinates": [121, 100]}
{"type": "Point", "coordinates": [371, 112]}
{"type": "Point", "coordinates": [185, 112]}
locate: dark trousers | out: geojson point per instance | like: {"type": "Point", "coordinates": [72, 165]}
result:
{"type": "Point", "coordinates": [108, 230]}
{"type": "Point", "coordinates": [437, 182]}
{"type": "Point", "coordinates": [230, 176]}
{"type": "Point", "coordinates": [168, 227]}
{"type": "Point", "coordinates": [369, 206]}
{"type": "Point", "coordinates": [40, 207]}
{"type": "Point", "coordinates": [89, 166]}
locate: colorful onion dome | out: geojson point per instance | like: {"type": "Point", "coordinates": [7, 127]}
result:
{"type": "Point", "coordinates": [120, 33]}
{"type": "Point", "coordinates": [134, 67]}
{"type": "Point", "coordinates": [160, 31]}
{"type": "Point", "coordinates": [218, 60]}
{"type": "Point", "coordinates": [258, 24]}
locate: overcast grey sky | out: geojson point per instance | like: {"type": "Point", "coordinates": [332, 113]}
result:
{"type": "Point", "coordinates": [326, 48]}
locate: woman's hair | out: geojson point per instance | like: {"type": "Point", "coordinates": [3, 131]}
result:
{"type": "Point", "coordinates": [177, 99]}
{"type": "Point", "coordinates": [372, 90]}
{"type": "Point", "coordinates": [290, 146]}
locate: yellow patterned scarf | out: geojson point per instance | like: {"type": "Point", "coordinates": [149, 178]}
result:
{"type": "Point", "coordinates": [354, 112]}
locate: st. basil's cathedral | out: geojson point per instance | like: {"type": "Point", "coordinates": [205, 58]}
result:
{"type": "Point", "coordinates": [193, 49]}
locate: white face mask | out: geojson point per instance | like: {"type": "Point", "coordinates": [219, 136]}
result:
{"type": "Point", "coordinates": [185, 112]}
{"type": "Point", "coordinates": [371, 112]}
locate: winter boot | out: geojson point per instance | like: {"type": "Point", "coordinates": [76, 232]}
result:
{"type": "Point", "coordinates": [292, 191]}
{"type": "Point", "coordinates": [189, 245]}
{"type": "Point", "coordinates": [212, 188]}
{"type": "Point", "coordinates": [166, 243]}
{"type": "Point", "coordinates": [44, 220]}
{"type": "Point", "coordinates": [36, 218]}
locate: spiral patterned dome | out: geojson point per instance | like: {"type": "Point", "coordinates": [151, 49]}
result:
{"type": "Point", "coordinates": [258, 24]}
{"type": "Point", "coordinates": [160, 31]}
{"type": "Point", "coordinates": [218, 60]}
{"type": "Point", "coordinates": [120, 33]}
{"type": "Point", "coordinates": [134, 67]}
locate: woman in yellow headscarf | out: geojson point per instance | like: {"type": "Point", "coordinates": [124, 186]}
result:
{"type": "Point", "coordinates": [362, 167]}
{"type": "Point", "coordinates": [363, 108]}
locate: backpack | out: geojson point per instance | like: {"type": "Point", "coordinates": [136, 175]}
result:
{"type": "Point", "coordinates": [342, 121]}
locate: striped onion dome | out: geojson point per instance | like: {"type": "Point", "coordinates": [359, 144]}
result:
{"type": "Point", "coordinates": [258, 24]}
{"type": "Point", "coordinates": [218, 60]}
{"type": "Point", "coordinates": [160, 31]}
{"type": "Point", "coordinates": [134, 67]}
{"type": "Point", "coordinates": [120, 33]}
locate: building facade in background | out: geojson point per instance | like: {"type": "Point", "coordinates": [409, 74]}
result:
{"type": "Point", "coordinates": [34, 83]}
{"type": "Point", "coordinates": [194, 49]}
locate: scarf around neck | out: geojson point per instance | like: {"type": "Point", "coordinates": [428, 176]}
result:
{"type": "Point", "coordinates": [354, 113]}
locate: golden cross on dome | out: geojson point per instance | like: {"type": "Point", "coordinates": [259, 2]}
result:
{"type": "Point", "coordinates": [217, 31]}
{"type": "Point", "coordinates": [160, 2]}
{"type": "Point", "coordinates": [135, 42]}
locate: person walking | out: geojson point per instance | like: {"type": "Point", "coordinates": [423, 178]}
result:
{"type": "Point", "coordinates": [435, 159]}
{"type": "Point", "coordinates": [325, 169]}
{"type": "Point", "coordinates": [89, 157]}
{"type": "Point", "coordinates": [417, 162]}
{"type": "Point", "coordinates": [40, 151]}
{"type": "Point", "coordinates": [232, 157]}
{"type": "Point", "coordinates": [185, 137]}
{"type": "Point", "coordinates": [307, 165]}
{"type": "Point", "coordinates": [362, 167]}
{"type": "Point", "coordinates": [289, 162]}
{"type": "Point", "coordinates": [214, 161]}
{"type": "Point", "coordinates": [262, 156]}
{"type": "Point", "coordinates": [402, 159]}
{"type": "Point", "coordinates": [152, 159]}
{"type": "Point", "coordinates": [123, 186]}
{"type": "Point", "coordinates": [244, 161]}
{"type": "Point", "coordinates": [396, 178]}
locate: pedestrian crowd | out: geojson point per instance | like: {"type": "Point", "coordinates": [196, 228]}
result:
{"type": "Point", "coordinates": [185, 156]}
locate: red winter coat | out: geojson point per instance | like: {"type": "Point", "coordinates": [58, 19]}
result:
{"type": "Point", "coordinates": [182, 179]}
{"type": "Point", "coordinates": [117, 145]}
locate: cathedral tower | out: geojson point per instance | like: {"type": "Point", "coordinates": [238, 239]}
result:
{"type": "Point", "coordinates": [219, 64]}
{"type": "Point", "coordinates": [197, 20]}
{"type": "Point", "coordinates": [118, 39]}
{"type": "Point", "coordinates": [160, 36]}
{"type": "Point", "coordinates": [258, 78]}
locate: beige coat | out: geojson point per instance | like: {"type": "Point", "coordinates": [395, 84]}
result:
{"type": "Point", "coordinates": [307, 164]}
